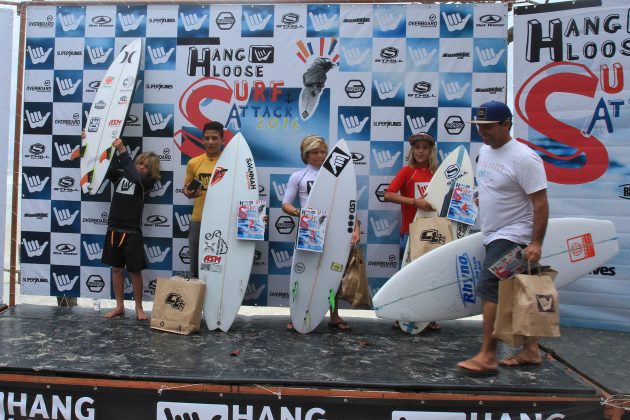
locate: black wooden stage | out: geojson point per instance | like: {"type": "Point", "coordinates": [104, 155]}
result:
{"type": "Point", "coordinates": [73, 359]}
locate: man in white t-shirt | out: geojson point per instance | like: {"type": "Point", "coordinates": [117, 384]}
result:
{"type": "Point", "coordinates": [513, 211]}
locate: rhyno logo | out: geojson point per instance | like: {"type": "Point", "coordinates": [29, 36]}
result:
{"type": "Point", "coordinates": [466, 279]}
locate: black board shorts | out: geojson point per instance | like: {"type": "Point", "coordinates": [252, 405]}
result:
{"type": "Point", "coordinates": [124, 249]}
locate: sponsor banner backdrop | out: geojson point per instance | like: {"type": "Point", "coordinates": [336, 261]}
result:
{"type": "Point", "coordinates": [21, 399]}
{"type": "Point", "coordinates": [571, 105]}
{"type": "Point", "coordinates": [370, 74]}
{"type": "Point", "coordinates": [7, 84]}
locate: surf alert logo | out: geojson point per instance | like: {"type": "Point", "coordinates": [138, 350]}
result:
{"type": "Point", "coordinates": [337, 161]}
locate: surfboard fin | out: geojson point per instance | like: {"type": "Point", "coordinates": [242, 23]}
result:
{"type": "Point", "coordinates": [307, 319]}
{"type": "Point", "coordinates": [87, 178]}
{"type": "Point", "coordinates": [107, 154]}
{"type": "Point", "coordinates": [332, 300]}
{"type": "Point", "coordinates": [78, 153]}
{"type": "Point", "coordinates": [294, 290]}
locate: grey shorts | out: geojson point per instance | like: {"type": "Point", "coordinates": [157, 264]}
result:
{"type": "Point", "coordinates": [488, 287]}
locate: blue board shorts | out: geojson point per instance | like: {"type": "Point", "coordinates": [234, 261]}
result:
{"type": "Point", "coordinates": [488, 287]}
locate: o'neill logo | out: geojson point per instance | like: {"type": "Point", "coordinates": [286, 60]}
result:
{"type": "Point", "coordinates": [337, 161]}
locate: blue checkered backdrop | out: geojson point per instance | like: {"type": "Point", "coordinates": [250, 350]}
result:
{"type": "Point", "coordinates": [396, 70]}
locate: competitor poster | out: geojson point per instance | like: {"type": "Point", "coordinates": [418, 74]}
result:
{"type": "Point", "coordinates": [572, 105]}
{"type": "Point", "coordinates": [370, 74]}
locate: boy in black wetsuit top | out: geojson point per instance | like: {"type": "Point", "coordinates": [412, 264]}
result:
{"type": "Point", "coordinates": [124, 245]}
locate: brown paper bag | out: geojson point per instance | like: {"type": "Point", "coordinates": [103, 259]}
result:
{"type": "Point", "coordinates": [428, 233]}
{"type": "Point", "coordinates": [354, 283]}
{"type": "Point", "coordinates": [512, 324]}
{"type": "Point", "coordinates": [536, 308]}
{"type": "Point", "coordinates": [177, 305]}
{"type": "Point", "coordinates": [503, 320]}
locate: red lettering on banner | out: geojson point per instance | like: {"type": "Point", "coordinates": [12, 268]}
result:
{"type": "Point", "coordinates": [617, 78]}
{"type": "Point", "coordinates": [578, 79]}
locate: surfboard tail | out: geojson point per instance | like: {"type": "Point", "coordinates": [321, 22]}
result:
{"type": "Point", "coordinates": [86, 180]}
{"type": "Point", "coordinates": [78, 153]}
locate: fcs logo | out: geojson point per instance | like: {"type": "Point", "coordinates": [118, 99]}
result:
{"type": "Point", "coordinates": [337, 161]}
{"type": "Point", "coordinates": [389, 53]}
{"type": "Point", "coordinates": [290, 18]}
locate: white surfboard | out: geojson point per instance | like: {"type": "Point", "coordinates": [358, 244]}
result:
{"type": "Point", "coordinates": [225, 262]}
{"type": "Point", "coordinates": [107, 115]}
{"type": "Point", "coordinates": [315, 276]}
{"type": "Point", "coordinates": [457, 167]}
{"type": "Point", "coordinates": [572, 246]}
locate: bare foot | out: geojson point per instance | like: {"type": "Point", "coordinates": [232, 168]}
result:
{"type": "Point", "coordinates": [141, 315]}
{"type": "Point", "coordinates": [115, 312]}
